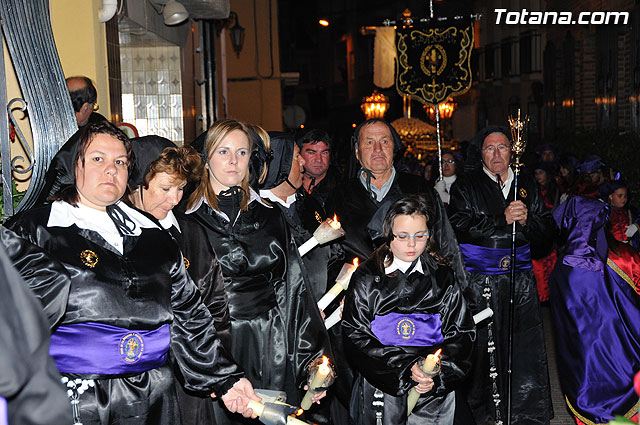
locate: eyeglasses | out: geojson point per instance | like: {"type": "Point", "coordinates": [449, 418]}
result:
{"type": "Point", "coordinates": [418, 237]}
{"type": "Point", "coordinates": [448, 161]}
{"type": "Point", "coordinates": [501, 148]}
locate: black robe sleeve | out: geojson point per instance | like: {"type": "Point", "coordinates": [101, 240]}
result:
{"type": "Point", "coordinates": [205, 270]}
{"type": "Point", "coordinates": [204, 365]}
{"type": "Point", "coordinates": [308, 338]}
{"type": "Point", "coordinates": [29, 380]}
{"type": "Point", "coordinates": [46, 277]}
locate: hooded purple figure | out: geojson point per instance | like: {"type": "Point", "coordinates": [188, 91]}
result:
{"type": "Point", "coordinates": [596, 312]}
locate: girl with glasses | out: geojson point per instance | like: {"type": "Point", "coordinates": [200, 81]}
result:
{"type": "Point", "coordinates": [403, 304]}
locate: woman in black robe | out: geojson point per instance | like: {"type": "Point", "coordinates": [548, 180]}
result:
{"type": "Point", "coordinates": [130, 303]}
{"type": "Point", "coordinates": [276, 329]}
{"type": "Point", "coordinates": [403, 304]}
{"type": "Point", "coordinates": [157, 180]}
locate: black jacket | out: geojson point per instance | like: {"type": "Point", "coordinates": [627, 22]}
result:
{"type": "Point", "coordinates": [361, 218]}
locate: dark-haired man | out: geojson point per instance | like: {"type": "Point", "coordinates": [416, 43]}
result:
{"type": "Point", "coordinates": [320, 177]}
{"type": "Point", "coordinates": [84, 98]}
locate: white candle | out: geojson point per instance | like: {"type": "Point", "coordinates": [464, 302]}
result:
{"type": "Point", "coordinates": [342, 283]}
{"type": "Point", "coordinates": [333, 319]}
{"type": "Point", "coordinates": [431, 367]}
{"type": "Point", "coordinates": [484, 314]}
{"type": "Point", "coordinates": [318, 380]}
{"type": "Point", "coordinates": [308, 246]}
{"type": "Point", "coordinates": [258, 408]}
{"type": "Point", "coordinates": [328, 230]}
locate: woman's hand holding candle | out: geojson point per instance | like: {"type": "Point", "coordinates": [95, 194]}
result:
{"type": "Point", "coordinates": [316, 397]}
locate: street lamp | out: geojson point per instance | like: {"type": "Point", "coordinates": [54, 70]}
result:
{"type": "Point", "coordinates": [236, 32]}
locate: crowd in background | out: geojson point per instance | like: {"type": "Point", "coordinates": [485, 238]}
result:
{"type": "Point", "coordinates": [170, 276]}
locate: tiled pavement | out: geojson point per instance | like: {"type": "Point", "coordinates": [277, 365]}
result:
{"type": "Point", "coordinates": [561, 415]}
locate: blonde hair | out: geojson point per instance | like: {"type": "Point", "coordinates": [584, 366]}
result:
{"type": "Point", "coordinates": [215, 136]}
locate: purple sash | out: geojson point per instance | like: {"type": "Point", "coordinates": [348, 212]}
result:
{"type": "Point", "coordinates": [99, 349]}
{"type": "Point", "coordinates": [4, 415]}
{"type": "Point", "coordinates": [415, 330]}
{"type": "Point", "coordinates": [480, 259]}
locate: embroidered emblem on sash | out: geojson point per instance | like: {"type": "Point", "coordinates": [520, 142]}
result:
{"type": "Point", "coordinates": [89, 258]}
{"type": "Point", "coordinates": [406, 328]}
{"type": "Point", "coordinates": [131, 347]}
{"type": "Point", "coordinates": [505, 262]}
{"type": "Point", "coordinates": [522, 192]}
{"type": "Point", "coordinates": [187, 263]}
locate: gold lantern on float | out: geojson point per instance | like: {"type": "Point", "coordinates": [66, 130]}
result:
{"type": "Point", "coordinates": [446, 109]}
{"type": "Point", "coordinates": [375, 106]}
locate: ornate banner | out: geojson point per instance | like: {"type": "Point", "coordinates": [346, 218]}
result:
{"type": "Point", "coordinates": [434, 60]}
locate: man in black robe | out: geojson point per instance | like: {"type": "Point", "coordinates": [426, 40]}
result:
{"type": "Point", "coordinates": [482, 211]}
{"type": "Point", "coordinates": [361, 202]}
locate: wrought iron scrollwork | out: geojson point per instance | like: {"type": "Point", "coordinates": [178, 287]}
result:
{"type": "Point", "coordinates": [37, 65]}
{"type": "Point", "coordinates": [21, 139]}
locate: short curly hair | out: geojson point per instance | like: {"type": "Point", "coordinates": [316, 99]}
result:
{"type": "Point", "coordinates": [179, 162]}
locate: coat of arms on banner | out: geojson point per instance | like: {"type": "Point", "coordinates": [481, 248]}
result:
{"type": "Point", "coordinates": [434, 60]}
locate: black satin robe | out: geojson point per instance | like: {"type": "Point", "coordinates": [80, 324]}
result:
{"type": "Point", "coordinates": [276, 328]}
{"type": "Point", "coordinates": [388, 367]}
{"type": "Point", "coordinates": [143, 288]}
{"type": "Point", "coordinates": [476, 212]}
{"type": "Point", "coordinates": [202, 265]}
{"type": "Point", "coordinates": [29, 379]}
{"type": "Point", "coordinates": [303, 218]}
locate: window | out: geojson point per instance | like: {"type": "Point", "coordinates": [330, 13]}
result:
{"type": "Point", "coordinates": [152, 88]}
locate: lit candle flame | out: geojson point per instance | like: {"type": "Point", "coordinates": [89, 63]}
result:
{"type": "Point", "coordinates": [334, 222]}
{"type": "Point", "coordinates": [299, 412]}
{"type": "Point", "coordinates": [437, 353]}
{"type": "Point", "coordinates": [356, 261]}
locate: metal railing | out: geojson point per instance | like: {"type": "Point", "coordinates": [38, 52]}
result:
{"type": "Point", "coordinates": [26, 28]}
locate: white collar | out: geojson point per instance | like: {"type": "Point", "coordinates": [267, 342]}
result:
{"type": "Point", "coordinates": [449, 180]}
{"type": "Point", "coordinates": [506, 185]}
{"type": "Point", "coordinates": [253, 196]}
{"type": "Point", "coordinates": [64, 214]}
{"type": "Point", "coordinates": [268, 194]}
{"type": "Point", "coordinates": [402, 265]}
{"type": "Point", "coordinates": [170, 220]}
